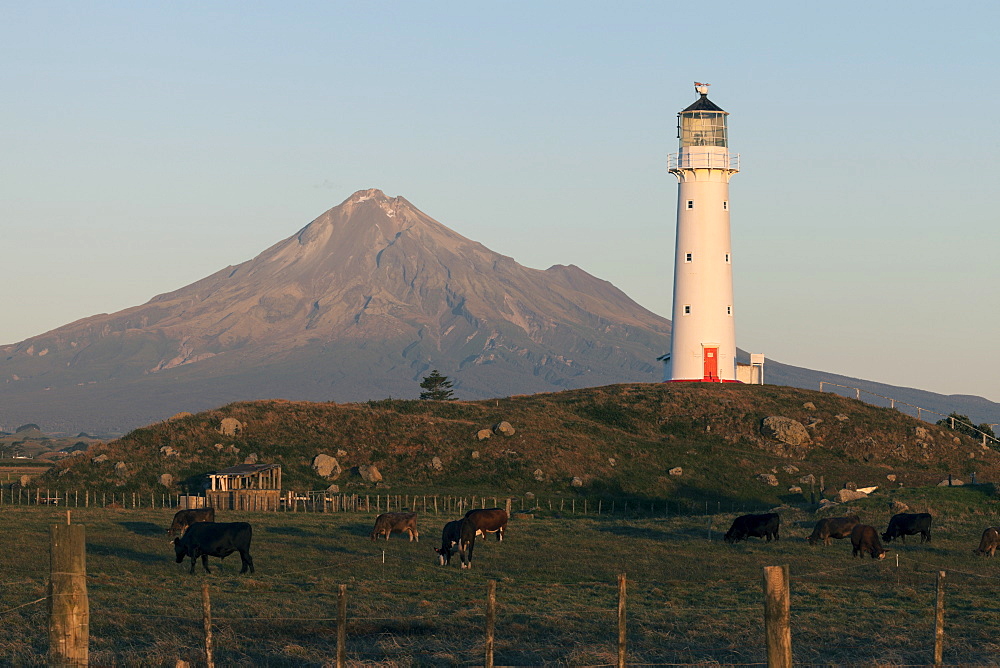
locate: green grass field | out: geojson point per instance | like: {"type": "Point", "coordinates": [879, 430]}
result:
{"type": "Point", "coordinates": [691, 600]}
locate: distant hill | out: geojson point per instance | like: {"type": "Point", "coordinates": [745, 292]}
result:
{"type": "Point", "coordinates": [618, 440]}
{"type": "Point", "coordinates": [359, 304]}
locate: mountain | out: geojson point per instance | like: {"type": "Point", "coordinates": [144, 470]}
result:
{"type": "Point", "coordinates": [360, 304]}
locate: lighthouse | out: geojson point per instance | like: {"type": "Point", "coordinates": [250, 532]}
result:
{"type": "Point", "coordinates": [703, 344]}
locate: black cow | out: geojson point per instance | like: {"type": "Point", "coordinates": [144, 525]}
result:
{"type": "Point", "coordinates": [833, 527]}
{"type": "Point", "coordinates": [479, 522]}
{"type": "Point", "coordinates": [908, 524]}
{"type": "Point", "coordinates": [215, 539]}
{"type": "Point", "coordinates": [185, 518]}
{"type": "Point", "coordinates": [450, 536]}
{"type": "Point", "coordinates": [760, 526]}
{"type": "Point", "coordinates": [864, 538]}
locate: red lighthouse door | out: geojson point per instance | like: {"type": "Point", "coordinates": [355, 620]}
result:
{"type": "Point", "coordinates": [711, 365]}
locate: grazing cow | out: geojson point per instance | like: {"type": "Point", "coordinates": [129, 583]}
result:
{"type": "Point", "coordinates": [760, 526]}
{"type": "Point", "coordinates": [215, 539]}
{"type": "Point", "coordinates": [864, 538]}
{"type": "Point", "coordinates": [450, 536]}
{"type": "Point", "coordinates": [989, 542]}
{"type": "Point", "coordinates": [833, 527]}
{"type": "Point", "coordinates": [909, 524]}
{"type": "Point", "coordinates": [480, 522]}
{"type": "Point", "coordinates": [386, 523]}
{"type": "Point", "coordinates": [185, 518]}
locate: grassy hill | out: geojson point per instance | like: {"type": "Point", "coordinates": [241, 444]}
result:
{"type": "Point", "coordinates": [618, 440]}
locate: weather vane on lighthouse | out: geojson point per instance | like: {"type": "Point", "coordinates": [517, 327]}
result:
{"type": "Point", "coordinates": [703, 343]}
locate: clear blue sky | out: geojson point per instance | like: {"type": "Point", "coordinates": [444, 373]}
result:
{"type": "Point", "coordinates": [146, 145]}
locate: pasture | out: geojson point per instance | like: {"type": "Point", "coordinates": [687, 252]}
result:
{"type": "Point", "coordinates": [690, 599]}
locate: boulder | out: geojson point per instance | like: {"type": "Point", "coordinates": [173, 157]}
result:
{"type": "Point", "coordinates": [529, 495]}
{"type": "Point", "coordinates": [539, 475]}
{"type": "Point", "coordinates": [612, 461]}
{"type": "Point", "coordinates": [576, 482]}
{"type": "Point", "coordinates": [341, 453]}
{"type": "Point", "coordinates": [842, 417]}
{"type": "Point", "coordinates": [326, 466]}
{"type": "Point", "coordinates": [483, 434]}
{"type": "Point", "coordinates": [219, 446]}
{"type": "Point", "coordinates": [231, 427]}
{"type": "Point", "coordinates": [121, 468]}
{"type": "Point", "coordinates": [826, 503]}
{"type": "Point", "coordinates": [789, 469]}
{"type": "Point", "coordinates": [891, 477]}
{"type": "Point", "coordinates": [847, 495]}
{"type": "Point", "coordinates": [475, 454]}
{"type": "Point", "coordinates": [251, 458]}
{"type": "Point", "coordinates": [166, 479]}
{"type": "Point", "coordinates": [334, 489]}
{"type": "Point", "coordinates": [436, 464]}
{"type": "Point", "coordinates": [370, 473]}
{"type": "Point", "coordinates": [809, 406]}
{"type": "Point", "coordinates": [24, 480]}
{"type": "Point", "coordinates": [809, 479]}
{"type": "Point", "coordinates": [503, 428]}
{"type": "Point", "coordinates": [99, 459]}
{"type": "Point", "coordinates": [676, 471]}
{"type": "Point", "coordinates": [794, 489]}
{"type": "Point", "coordinates": [785, 430]}
{"type": "Point", "coordinates": [168, 451]}
{"type": "Point", "coordinates": [896, 507]}
{"type": "Point", "coordinates": [768, 479]}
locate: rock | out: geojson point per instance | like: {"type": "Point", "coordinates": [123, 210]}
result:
{"type": "Point", "coordinates": [503, 428]}
{"type": "Point", "coordinates": [166, 479]}
{"type": "Point", "coordinates": [251, 458]}
{"type": "Point", "coordinates": [370, 473]}
{"type": "Point", "coordinates": [529, 495]}
{"type": "Point", "coordinates": [233, 449]}
{"type": "Point", "coordinates": [178, 416]}
{"type": "Point", "coordinates": [954, 482]}
{"type": "Point", "coordinates": [99, 459]}
{"type": "Point", "coordinates": [335, 489]}
{"type": "Point", "coordinates": [475, 454]}
{"type": "Point", "coordinates": [891, 477]}
{"type": "Point", "coordinates": [612, 461]}
{"type": "Point", "coordinates": [826, 503]}
{"type": "Point", "coordinates": [576, 482]}
{"type": "Point", "coordinates": [341, 453]}
{"type": "Point", "coordinates": [436, 464]}
{"type": "Point", "coordinates": [850, 485]}
{"type": "Point", "coordinates": [808, 479]}
{"type": "Point", "coordinates": [868, 490]}
{"type": "Point", "coordinates": [326, 466]}
{"type": "Point", "coordinates": [795, 489]}
{"type": "Point", "coordinates": [923, 434]}
{"type": "Point", "coordinates": [231, 427]}
{"type": "Point", "coordinates": [896, 507]}
{"type": "Point", "coordinates": [219, 446]}
{"type": "Point", "coordinates": [539, 475]}
{"type": "Point", "coordinates": [809, 406]}
{"type": "Point", "coordinates": [813, 423]}
{"type": "Point", "coordinates": [768, 479]}
{"type": "Point", "coordinates": [25, 479]}
{"type": "Point", "coordinates": [842, 417]}
{"type": "Point", "coordinates": [676, 471]}
{"type": "Point", "coordinates": [847, 495]}
{"type": "Point", "coordinates": [789, 469]}
{"type": "Point", "coordinates": [785, 430]}
{"type": "Point", "coordinates": [121, 468]}
{"type": "Point", "coordinates": [956, 440]}
{"type": "Point", "coordinates": [483, 434]}
{"type": "Point", "coordinates": [168, 451]}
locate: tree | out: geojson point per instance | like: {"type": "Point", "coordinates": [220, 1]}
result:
{"type": "Point", "coordinates": [963, 425]}
{"type": "Point", "coordinates": [436, 387]}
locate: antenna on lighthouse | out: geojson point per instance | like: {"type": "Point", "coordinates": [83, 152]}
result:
{"type": "Point", "coordinates": [701, 87]}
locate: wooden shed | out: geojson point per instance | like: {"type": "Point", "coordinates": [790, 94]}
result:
{"type": "Point", "coordinates": [245, 487]}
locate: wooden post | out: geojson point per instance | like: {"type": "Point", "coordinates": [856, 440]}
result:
{"type": "Point", "coordinates": [491, 618]}
{"type": "Point", "coordinates": [621, 620]}
{"type": "Point", "coordinates": [509, 501]}
{"type": "Point", "coordinates": [341, 625]}
{"type": "Point", "coordinates": [939, 621]}
{"type": "Point", "coordinates": [206, 616]}
{"type": "Point", "coordinates": [777, 613]}
{"type": "Point", "coordinates": [69, 608]}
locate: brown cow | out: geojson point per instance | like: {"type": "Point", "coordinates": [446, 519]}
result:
{"type": "Point", "coordinates": [864, 538]}
{"type": "Point", "coordinates": [989, 542]}
{"type": "Point", "coordinates": [833, 527]}
{"type": "Point", "coordinates": [487, 520]}
{"type": "Point", "coordinates": [388, 522]}
{"type": "Point", "coordinates": [185, 518]}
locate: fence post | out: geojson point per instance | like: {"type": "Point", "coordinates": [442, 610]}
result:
{"type": "Point", "coordinates": [69, 607]}
{"type": "Point", "coordinates": [341, 625]}
{"type": "Point", "coordinates": [621, 619]}
{"type": "Point", "coordinates": [939, 621]}
{"type": "Point", "coordinates": [491, 618]}
{"type": "Point", "coordinates": [206, 618]}
{"type": "Point", "coordinates": [776, 617]}
{"type": "Point", "coordinates": [509, 501]}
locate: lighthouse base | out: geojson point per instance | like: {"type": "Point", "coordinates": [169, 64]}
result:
{"type": "Point", "coordinates": [701, 380]}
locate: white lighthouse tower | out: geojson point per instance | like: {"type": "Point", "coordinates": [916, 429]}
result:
{"type": "Point", "coordinates": [703, 345]}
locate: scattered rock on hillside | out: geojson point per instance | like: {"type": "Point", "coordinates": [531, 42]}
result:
{"type": "Point", "coordinates": [809, 406]}
{"type": "Point", "coordinates": [233, 449]}
{"type": "Point", "coordinates": [370, 473]}
{"type": "Point", "coordinates": [121, 468]}
{"type": "Point", "coordinates": [503, 428]}
{"type": "Point", "coordinates": [436, 464]}
{"type": "Point", "coordinates": [891, 477]}
{"type": "Point", "coordinates": [25, 479]}
{"type": "Point", "coordinates": [612, 461]}
{"type": "Point", "coordinates": [576, 482]}
{"type": "Point", "coordinates": [842, 417]}
{"type": "Point", "coordinates": [335, 489]}
{"type": "Point", "coordinates": [168, 451]}
{"type": "Point", "coordinates": [954, 482]}
{"type": "Point", "coordinates": [794, 489]}
{"type": "Point", "coordinates": [219, 446]}
{"type": "Point", "coordinates": [231, 427]}
{"type": "Point", "coordinates": [341, 453]}
{"type": "Point", "coordinates": [847, 495]}
{"type": "Point", "coordinates": [529, 495]}
{"type": "Point", "coordinates": [809, 479]}
{"type": "Point", "coordinates": [923, 434]}
{"type": "Point", "coordinates": [539, 475]}
{"type": "Point", "coordinates": [676, 471]}
{"type": "Point", "coordinates": [896, 507]}
{"type": "Point", "coordinates": [768, 479]}
{"type": "Point", "coordinates": [100, 459]}
{"type": "Point", "coordinates": [166, 479]}
{"type": "Point", "coordinates": [789, 469]}
{"type": "Point", "coordinates": [483, 434]}
{"type": "Point", "coordinates": [326, 466]}
{"type": "Point", "coordinates": [475, 454]}
{"type": "Point", "coordinates": [785, 430]}
{"type": "Point", "coordinates": [826, 503]}
{"type": "Point", "coordinates": [251, 458]}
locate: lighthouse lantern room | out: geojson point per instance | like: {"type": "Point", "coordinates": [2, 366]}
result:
{"type": "Point", "coordinates": [703, 344]}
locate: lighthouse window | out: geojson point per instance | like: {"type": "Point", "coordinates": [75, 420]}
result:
{"type": "Point", "coordinates": [690, 204]}
{"type": "Point", "coordinates": [687, 309]}
{"type": "Point", "coordinates": [725, 205]}
{"type": "Point", "coordinates": [687, 257]}
{"type": "Point", "coordinates": [729, 310]}
{"type": "Point", "coordinates": [727, 259]}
